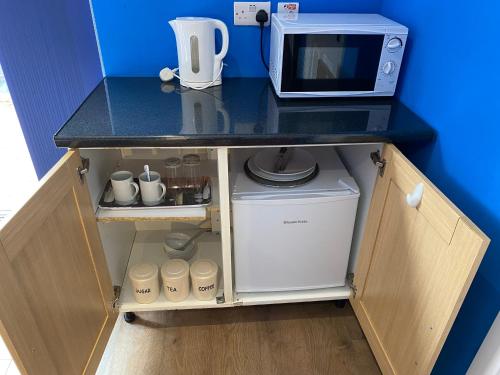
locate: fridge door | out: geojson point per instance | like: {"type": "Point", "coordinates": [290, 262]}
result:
{"type": "Point", "coordinates": [292, 244]}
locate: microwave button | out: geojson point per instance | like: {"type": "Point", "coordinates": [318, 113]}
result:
{"type": "Point", "coordinates": [394, 44]}
{"type": "Point", "coordinates": [389, 67]}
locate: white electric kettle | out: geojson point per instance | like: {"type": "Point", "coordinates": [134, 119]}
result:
{"type": "Point", "coordinates": [199, 66]}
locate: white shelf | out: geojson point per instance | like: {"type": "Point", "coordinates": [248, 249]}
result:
{"type": "Point", "coordinates": [266, 298]}
{"type": "Point", "coordinates": [153, 214]}
{"type": "Point", "coordinates": [148, 248]}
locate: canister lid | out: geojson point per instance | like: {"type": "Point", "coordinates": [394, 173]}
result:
{"type": "Point", "coordinates": [203, 269]}
{"type": "Point", "coordinates": [175, 269]}
{"type": "Point", "coordinates": [143, 271]}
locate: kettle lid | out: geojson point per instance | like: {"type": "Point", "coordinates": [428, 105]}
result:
{"type": "Point", "coordinates": [193, 19]}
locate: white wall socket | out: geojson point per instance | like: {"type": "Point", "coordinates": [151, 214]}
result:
{"type": "Point", "coordinates": [245, 11]}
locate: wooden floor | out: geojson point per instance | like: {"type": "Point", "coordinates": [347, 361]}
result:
{"type": "Point", "coordinates": [313, 338]}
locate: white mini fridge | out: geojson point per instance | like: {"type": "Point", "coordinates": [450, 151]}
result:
{"type": "Point", "coordinates": [293, 237]}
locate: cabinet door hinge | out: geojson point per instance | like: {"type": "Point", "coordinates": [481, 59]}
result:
{"type": "Point", "coordinates": [220, 299]}
{"type": "Point", "coordinates": [350, 282]}
{"type": "Point", "coordinates": [379, 162]}
{"type": "Point", "coordinates": [115, 304]}
{"type": "Point", "coordinates": [82, 170]}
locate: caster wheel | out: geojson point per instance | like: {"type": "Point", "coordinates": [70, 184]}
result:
{"type": "Point", "coordinates": [129, 317]}
{"type": "Point", "coordinates": [340, 303]}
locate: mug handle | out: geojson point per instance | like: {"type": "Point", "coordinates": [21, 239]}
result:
{"type": "Point", "coordinates": [136, 187]}
{"type": "Point", "coordinates": [163, 189]}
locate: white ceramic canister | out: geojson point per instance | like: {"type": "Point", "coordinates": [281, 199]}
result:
{"type": "Point", "coordinates": [175, 276]}
{"type": "Point", "coordinates": [146, 283]}
{"type": "Point", "coordinates": [204, 278]}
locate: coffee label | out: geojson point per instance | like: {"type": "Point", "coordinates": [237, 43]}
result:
{"type": "Point", "coordinates": [206, 287]}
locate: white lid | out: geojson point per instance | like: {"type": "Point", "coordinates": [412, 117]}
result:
{"type": "Point", "coordinates": [172, 162]}
{"type": "Point", "coordinates": [191, 160]}
{"type": "Point", "coordinates": [332, 177]}
{"type": "Point", "coordinates": [175, 269]}
{"type": "Point", "coordinates": [204, 269]}
{"type": "Point", "coordinates": [296, 164]}
{"type": "Point", "coordinates": [194, 19]}
{"type": "Point", "coordinates": [143, 271]}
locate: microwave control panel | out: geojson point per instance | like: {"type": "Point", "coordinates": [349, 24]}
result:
{"type": "Point", "coordinates": [390, 62]}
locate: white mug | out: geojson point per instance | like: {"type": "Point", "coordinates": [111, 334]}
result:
{"type": "Point", "coordinates": [124, 187]}
{"type": "Point", "coordinates": [152, 192]}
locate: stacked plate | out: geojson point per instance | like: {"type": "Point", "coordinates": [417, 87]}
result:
{"type": "Point", "coordinates": [282, 167]}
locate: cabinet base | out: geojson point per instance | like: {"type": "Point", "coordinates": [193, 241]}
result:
{"type": "Point", "coordinates": [340, 303]}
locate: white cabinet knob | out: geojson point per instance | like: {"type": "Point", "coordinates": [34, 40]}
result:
{"type": "Point", "coordinates": [413, 199]}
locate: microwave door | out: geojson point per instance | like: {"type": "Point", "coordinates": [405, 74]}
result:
{"type": "Point", "coordinates": [327, 68]}
{"type": "Point", "coordinates": [316, 62]}
{"type": "Point", "coordinates": [308, 63]}
{"type": "Point", "coordinates": [330, 62]}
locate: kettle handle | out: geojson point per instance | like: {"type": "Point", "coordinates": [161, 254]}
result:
{"type": "Point", "coordinates": [225, 39]}
{"type": "Point", "coordinates": [225, 118]}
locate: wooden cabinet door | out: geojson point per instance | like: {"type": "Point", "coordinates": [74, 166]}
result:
{"type": "Point", "coordinates": [55, 291]}
{"type": "Point", "coordinates": [414, 269]}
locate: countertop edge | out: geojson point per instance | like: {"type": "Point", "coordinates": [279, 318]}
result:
{"type": "Point", "coordinates": [235, 141]}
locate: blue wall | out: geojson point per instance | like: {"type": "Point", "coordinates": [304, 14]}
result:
{"type": "Point", "coordinates": [48, 52]}
{"type": "Point", "coordinates": [451, 80]}
{"type": "Point", "coordinates": [136, 39]}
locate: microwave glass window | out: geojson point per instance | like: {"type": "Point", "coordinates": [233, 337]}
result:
{"type": "Point", "coordinates": [330, 62]}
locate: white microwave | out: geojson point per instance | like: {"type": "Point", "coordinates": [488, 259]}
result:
{"type": "Point", "coordinates": [335, 55]}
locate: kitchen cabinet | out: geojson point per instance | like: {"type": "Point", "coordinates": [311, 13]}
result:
{"type": "Point", "coordinates": [56, 295]}
{"type": "Point", "coordinates": [63, 265]}
{"type": "Point", "coordinates": [414, 269]}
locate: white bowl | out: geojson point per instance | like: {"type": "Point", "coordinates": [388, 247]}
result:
{"type": "Point", "coordinates": [175, 240]}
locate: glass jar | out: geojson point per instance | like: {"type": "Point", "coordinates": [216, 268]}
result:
{"type": "Point", "coordinates": [173, 172]}
{"type": "Point", "coordinates": [174, 180]}
{"type": "Point", "coordinates": [192, 171]}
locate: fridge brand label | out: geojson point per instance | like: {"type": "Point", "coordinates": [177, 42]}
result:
{"type": "Point", "coordinates": [295, 221]}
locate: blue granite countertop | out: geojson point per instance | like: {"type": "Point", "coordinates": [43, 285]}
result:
{"type": "Point", "coordinates": [144, 112]}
